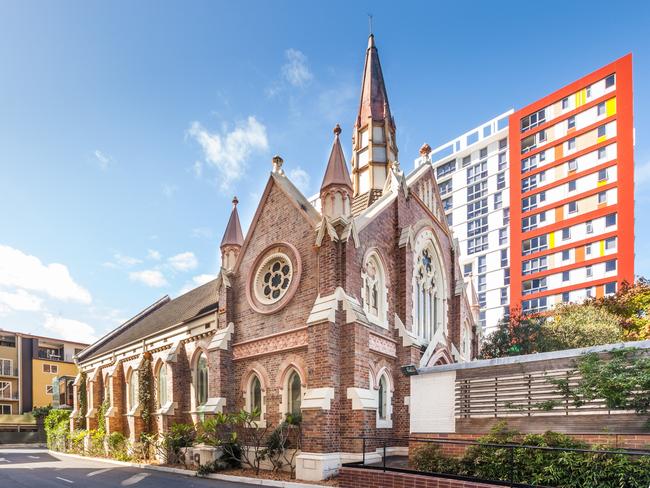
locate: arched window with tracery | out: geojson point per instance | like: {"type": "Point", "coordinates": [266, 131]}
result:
{"type": "Point", "coordinates": [132, 390]}
{"type": "Point", "coordinates": [294, 390]}
{"type": "Point", "coordinates": [374, 293]}
{"type": "Point", "coordinates": [255, 397]}
{"type": "Point", "coordinates": [201, 380]}
{"type": "Point", "coordinates": [161, 384]}
{"type": "Point", "coordinates": [429, 315]}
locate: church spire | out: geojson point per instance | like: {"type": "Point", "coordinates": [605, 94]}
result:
{"type": "Point", "coordinates": [374, 148]}
{"type": "Point", "coordinates": [233, 239]}
{"type": "Point", "coordinates": [336, 189]}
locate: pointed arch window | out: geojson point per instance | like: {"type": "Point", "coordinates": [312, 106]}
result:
{"type": "Point", "coordinates": [384, 401]}
{"type": "Point", "coordinates": [255, 396]}
{"type": "Point", "coordinates": [294, 390]}
{"type": "Point", "coordinates": [161, 381]}
{"type": "Point", "coordinates": [374, 293]}
{"type": "Point", "coordinates": [202, 380]}
{"type": "Point", "coordinates": [132, 390]}
{"type": "Point", "coordinates": [383, 387]}
{"type": "Point", "coordinates": [428, 290]}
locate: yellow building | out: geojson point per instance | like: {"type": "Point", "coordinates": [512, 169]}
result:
{"type": "Point", "coordinates": [29, 365]}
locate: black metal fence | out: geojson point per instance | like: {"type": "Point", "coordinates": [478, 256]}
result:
{"type": "Point", "coordinates": [511, 464]}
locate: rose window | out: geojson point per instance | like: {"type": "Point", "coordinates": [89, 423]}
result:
{"type": "Point", "coordinates": [273, 278]}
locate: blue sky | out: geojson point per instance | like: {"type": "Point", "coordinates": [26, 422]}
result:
{"type": "Point", "coordinates": [127, 127]}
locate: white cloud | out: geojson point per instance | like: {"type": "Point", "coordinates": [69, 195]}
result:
{"type": "Point", "coordinates": [300, 178]}
{"type": "Point", "coordinates": [70, 329]}
{"type": "Point", "coordinates": [204, 232]}
{"type": "Point", "coordinates": [169, 190]}
{"type": "Point", "coordinates": [296, 70]}
{"type": "Point", "coordinates": [149, 277]}
{"type": "Point", "coordinates": [20, 270]}
{"type": "Point", "coordinates": [183, 261]}
{"type": "Point", "coordinates": [228, 152]}
{"type": "Point", "coordinates": [122, 261]}
{"type": "Point", "coordinates": [153, 254]}
{"type": "Point", "coordinates": [20, 300]}
{"type": "Point", "coordinates": [197, 280]}
{"type": "Point", "coordinates": [103, 160]}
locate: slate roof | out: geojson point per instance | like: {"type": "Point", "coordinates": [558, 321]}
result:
{"type": "Point", "coordinates": [159, 316]}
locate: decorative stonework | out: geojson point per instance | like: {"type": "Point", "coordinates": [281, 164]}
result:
{"type": "Point", "coordinates": [270, 344]}
{"type": "Point", "coordinates": [382, 345]}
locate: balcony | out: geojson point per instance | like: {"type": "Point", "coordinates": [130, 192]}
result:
{"type": "Point", "coordinates": [9, 396]}
{"type": "Point", "coordinates": [51, 354]}
{"type": "Point", "coordinates": [6, 370]}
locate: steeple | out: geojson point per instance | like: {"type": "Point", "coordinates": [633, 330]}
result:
{"type": "Point", "coordinates": [233, 239]}
{"type": "Point", "coordinates": [336, 189]}
{"type": "Point", "coordinates": [373, 141]}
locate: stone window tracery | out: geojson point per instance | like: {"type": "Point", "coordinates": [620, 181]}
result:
{"type": "Point", "coordinates": [273, 278]}
{"type": "Point", "coordinates": [374, 293]}
{"type": "Point", "coordinates": [202, 380]}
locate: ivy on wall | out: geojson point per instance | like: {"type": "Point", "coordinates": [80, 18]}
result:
{"type": "Point", "coordinates": [80, 421]}
{"type": "Point", "coordinates": [145, 390]}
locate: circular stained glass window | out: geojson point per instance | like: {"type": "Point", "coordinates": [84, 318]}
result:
{"type": "Point", "coordinates": [273, 278]}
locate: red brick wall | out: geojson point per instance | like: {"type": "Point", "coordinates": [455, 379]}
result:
{"type": "Point", "coordinates": [367, 478]}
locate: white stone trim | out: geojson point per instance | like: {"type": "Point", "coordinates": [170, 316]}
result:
{"type": "Point", "coordinates": [408, 337]}
{"type": "Point", "coordinates": [325, 308]}
{"type": "Point", "coordinates": [362, 398]}
{"type": "Point", "coordinates": [172, 354]}
{"type": "Point", "coordinates": [317, 398]}
{"type": "Point", "coordinates": [212, 405]}
{"type": "Point", "coordinates": [221, 338]}
{"type": "Point", "coordinates": [167, 409]}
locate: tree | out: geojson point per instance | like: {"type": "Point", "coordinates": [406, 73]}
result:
{"type": "Point", "coordinates": [632, 304]}
{"type": "Point", "coordinates": [515, 335]}
{"type": "Point", "coordinates": [581, 325]}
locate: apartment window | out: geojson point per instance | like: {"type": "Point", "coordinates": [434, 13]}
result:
{"type": "Point", "coordinates": [610, 243]}
{"type": "Point", "coordinates": [504, 296]}
{"type": "Point", "coordinates": [506, 277]}
{"type": "Point", "coordinates": [566, 233]}
{"type": "Point", "coordinates": [566, 255]}
{"type": "Point", "coordinates": [448, 203]}
{"type": "Point", "coordinates": [602, 175]}
{"type": "Point", "coordinates": [477, 190]}
{"type": "Point", "coordinates": [532, 182]}
{"type": "Point", "coordinates": [571, 144]}
{"type": "Point", "coordinates": [528, 144]}
{"type": "Point", "coordinates": [602, 131]}
{"type": "Point", "coordinates": [482, 266]}
{"type": "Point", "coordinates": [588, 89]}
{"type": "Point", "coordinates": [503, 236]}
{"type": "Point", "coordinates": [501, 181]}
{"type": "Point", "coordinates": [482, 300]}
{"type": "Point", "coordinates": [589, 271]}
{"type": "Point", "coordinates": [446, 168]}
{"type": "Point", "coordinates": [49, 389]}
{"type": "Point", "coordinates": [588, 292]}
{"type": "Point", "coordinates": [588, 249]}
{"type": "Point", "coordinates": [571, 122]}
{"type": "Point", "coordinates": [601, 108]}
{"type": "Point", "coordinates": [610, 288]}
{"type": "Point", "coordinates": [534, 265]}
{"type": "Point", "coordinates": [481, 283]}
{"type": "Point", "coordinates": [535, 244]}
{"type": "Point", "coordinates": [5, 409]}
{"type": "Point", "coordinates": [610, 265]}
{"type": "Point", "coordinates": [529, 223]}
{"type": "Point", "coordinates": [481, 318]}
{"type": "Point", "coordinates": [506, 216]}
{"type": "Point", "coordinates": [50, 368]}
{"type": "Point", "coordinates": [565, 276]}
{"type": "Point", "coordinates": [530, 203]}
{"type": "Point", "coordinates": [565, 297]}
{"type": "Point", "coordinates": [445, 187]}
{"type": "Point", "coordinates": [467, 269]}
{"type": "Point", "coordinates": [503, 161]}
{"type": "Point", "coordinates": [572, 207]}
{"type": "Point", "coordinates": [477, 244]}
{"type": "Point", "coordinates": [535, 305]}
{"type": "Point", "coordinates": [602, 152]}
{"type": "Point", "coordinates": [541, 136]}
{"type": "Point", "coordinates": [482, 153]}
{"type": "Point", "coordinates": [503, 143]}
{"type": "Point", "coordinates": [498, 200]}
{"type": "Point", "coordinates": [572, 185]}
{"type": "Point", "coordinates": [476, 227]}
{"type": "Point", "coordinates": [602, 197]}
{"type": "Point", "coordinates": [533, 120]}
{"type": "Point", "coordinates": [477, 172]}
{"type": "Point", "coordinates": [533, 286]}
{"type": "Point", "coordinates": [504, 258]}
{"type": "Point", "coordinates": [565, 103]}
{"type": "Point", "coordinates": [467, 160]}
{"type": "Point", "coordinates": [450, 219]}
{"type": "Point", "coordinates": [590, 227]}
{"type": "Point", "coordinates": [610, 80]}
{"type": "Point", "coordinates": [476, 209]}
{"type": "Point", "coordinates": [5, 389]}
{"type": "Point", "coordinates": [573, 165]}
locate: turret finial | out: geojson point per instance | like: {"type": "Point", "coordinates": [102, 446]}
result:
{"type": "Point", "coordinates": [235, 201]}
{"type": "Point", "coordinates": [337, 130]}
{"type": "Point", "coordinates": [277, 164]}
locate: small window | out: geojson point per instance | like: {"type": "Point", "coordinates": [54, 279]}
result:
{"type": "Point", "coordinates": [566, 255]}
{"type": "Point", "coordinates": [571, 144]}
{"type": "Point", "coordinates": [382, 407]}
{"type": "Point", "coordinates": [590, 227]}
{"type": "Point", "coordinates": [602, 197]}
{"type": "Point", "coordinates": [49, 389]}
{"type": "Point", "coordinates": [295, 393]}
{"type": "Point", "coordinates": [589, 271]}
{"type": "Point", "coordinates": [503, 236]}
{"type": "Point", "coordinates": [503, 143]}
{"type": "Point", "coordinates": [610, 243]}
{"type": "Point", "coordinates": [483, 153]}
{"type": "Point", "coordinates": [610, 265]}
{"type": "Point", "coordinates": [566, 234]}
{"type": "Point", "coordinates": [565, 297]}
{"type": "Point", "coordinates": [610, 81]}
{"type": "Point", "coordinates": [498, 200]}
{"type": "Point", "coordinates": [602, 175]}
{"type": "Point", "coordinates": [467, 160]}
{"type": "Point", "coordinates": [588, 89]}
{"type": "Point", "coordinates": [504, 296]}
{"type": "Point", "coordinates": [467, 270]}
{"type": "Point", "coordinates": [482, 266]}
{"type": "Point", "coordinates": [610, 220]}
{"type": "Point", "coordinates": [588, 249]}
{"type": "Point", "coordinates": [573, 207]}
{"type": "Point", "coordinates": [571, 122]}
{"type": "Point", "coordinates": [565, 103]}
{"type": "Point", "coordinates": [610, 288]}
{"type": "Point", "coordinates": [5, 409]}
{"type": "Point", "coordinates": [601, 108]}
{"type": "Point", "coordinates": [504, 258]}
{"type": "Point", "coordinates": [572, 185]}
{"type": "Point", "coordinates": [565, 275]}
{"type": "Point", "coordinates": [602, 131]}
{"type": "Point", "coordinates": [588, 292]}
{"type": "Point", "coordinates": [506, 216]}
{"type": "Point", "coordinates": [573, 165]}
{"type": "Point", "coordinates": [506, 276]}
{"type": "Point", "coordinates": [602, 153]}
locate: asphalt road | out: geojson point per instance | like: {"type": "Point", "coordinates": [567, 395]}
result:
{"type": "Point", "coordinates": [36, 468]}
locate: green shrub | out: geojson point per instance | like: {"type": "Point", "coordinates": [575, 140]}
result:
{"type": "Point", "coordinates": [76, 441]}
{"type": "Point", "coordinates": [429, 458]}
{"type": "Point", "coordinates": [178, 437]}
{"type": "Point", "coordinates": [118, 446]}
{"type": "Point", "coordinates": [57, 426]}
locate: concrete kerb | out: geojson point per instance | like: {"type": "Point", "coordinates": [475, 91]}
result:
{"type": "Point", "coordinates": [189, 472]}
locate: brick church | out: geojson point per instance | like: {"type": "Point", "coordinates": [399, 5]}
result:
{"type": "Point", "coordinates": [315, 310]}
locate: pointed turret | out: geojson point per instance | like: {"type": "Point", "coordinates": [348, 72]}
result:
{"type": "Point", "coordinates": [233, 239]}
{"type": "Point", "coordinates": [336, 189]}
{"type": "Point", "coordinates": [373, 141]}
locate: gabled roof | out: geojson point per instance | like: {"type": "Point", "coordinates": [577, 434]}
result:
{"type": "Point", "coordinates": [233, 234]}
{"type": "Point", "coordinates": [159, 316]}
{"type": "Point", "coordinates": [336, 172]}
{"type": "Point", "coordinates": [374, 99]}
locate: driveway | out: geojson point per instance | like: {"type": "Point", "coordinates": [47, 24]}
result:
{"type": "Point", "coordinates": [37, 468]}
